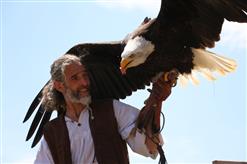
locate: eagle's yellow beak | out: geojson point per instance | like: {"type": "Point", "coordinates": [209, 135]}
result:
{"type": "Point", "coordinates": [123, 65]}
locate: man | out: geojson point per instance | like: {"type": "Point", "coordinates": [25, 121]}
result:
{"type": "Point", "coordinates": [87, 132]}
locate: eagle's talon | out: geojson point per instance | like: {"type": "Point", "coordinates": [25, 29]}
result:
{"type": "Point", "coordinates": [175, 83]}
{"type": "Point", "coordinates": [173, 75]}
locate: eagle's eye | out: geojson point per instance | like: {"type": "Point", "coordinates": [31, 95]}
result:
{"type": "Point", "coordinates": [132, 56]}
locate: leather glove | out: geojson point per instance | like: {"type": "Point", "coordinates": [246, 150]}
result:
{"type": "Point", "coordinates": [149, 117]}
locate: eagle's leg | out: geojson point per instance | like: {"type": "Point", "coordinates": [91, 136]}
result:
{"type": "Point", "coordinates": [149, 117]}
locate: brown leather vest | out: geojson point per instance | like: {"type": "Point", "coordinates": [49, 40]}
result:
{"type": "Point", "coordinates": [109, 147]}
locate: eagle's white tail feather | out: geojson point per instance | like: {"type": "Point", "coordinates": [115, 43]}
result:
{"type": "Point", "coordinates": [212, 62]}
{"type": "Point", "coordinates": [182, 80]}
{"type": "Point", "coordinates": [185, 78]}
{"type": "Point", "coordinates": [207, 74]}
{"type": "Point", "coordinates": [207, 63]}
{"type": "Point", "coordinates": [193, 78]}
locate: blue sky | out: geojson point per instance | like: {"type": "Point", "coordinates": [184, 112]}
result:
{"type": "Point", "coordinates": [203, 123]}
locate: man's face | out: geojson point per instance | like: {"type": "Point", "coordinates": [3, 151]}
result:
{"type": "Point", "coordinates": [76, 83]}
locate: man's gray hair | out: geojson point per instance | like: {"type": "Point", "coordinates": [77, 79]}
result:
{"type": "Point", "coordinates": [53, 99]}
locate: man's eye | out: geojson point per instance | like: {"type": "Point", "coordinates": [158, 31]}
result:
{"type": "Point", "coordinates": [74, 78]}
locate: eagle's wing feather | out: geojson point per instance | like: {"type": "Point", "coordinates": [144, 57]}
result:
{"type": "Point", "coordinates": [46, 117]}
{"type": "Point", "coordinates": [204, 18]}
{"type": "Point", "coordinates": [34, 104]}
{"type": "Point", "coordinates": [39, 114]}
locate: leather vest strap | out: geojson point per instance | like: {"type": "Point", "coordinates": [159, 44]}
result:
{"type": "Point", "coordinates": [109, 145]}
{"type": "Point", "coordinates": [57, 137]}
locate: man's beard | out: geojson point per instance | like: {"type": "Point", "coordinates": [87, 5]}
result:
{"type": "Point", "coordinates": [75, 97]}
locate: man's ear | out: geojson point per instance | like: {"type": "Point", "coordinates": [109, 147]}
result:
{"type": "Point", "coordinates": [58, 85]}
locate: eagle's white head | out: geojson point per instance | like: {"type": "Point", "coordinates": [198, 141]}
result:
{"type": "Point", "coordinates": [135, 52]}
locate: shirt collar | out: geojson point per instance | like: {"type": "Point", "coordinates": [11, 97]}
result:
{"type": "Point", "coordinates": [67, 119]}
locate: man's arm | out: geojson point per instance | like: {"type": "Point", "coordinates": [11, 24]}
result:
{"type": "Point", "coordinates": [126, 116]}
{"type": "Point", "coordinates": [140, 144]}
{"type": "Point", "coordinates": [146, 139]}
{"type": "Point", "coordinates": [149, 118]}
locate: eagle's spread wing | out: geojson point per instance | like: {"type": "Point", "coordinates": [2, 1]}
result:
{"type": "Point", "coordinates": [106, 81]}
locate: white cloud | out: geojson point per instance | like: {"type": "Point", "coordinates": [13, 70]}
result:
{"type": "Point", "coordinates": [234, 34]}
{"type": "Point", "coordinates": [152, 6]}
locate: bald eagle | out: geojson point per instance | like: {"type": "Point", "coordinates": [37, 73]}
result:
{"type": "Point", "coordinates": [177, 38]}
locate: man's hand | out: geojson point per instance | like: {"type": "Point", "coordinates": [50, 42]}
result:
{"type": "Point", "coordinates": [152, 144]}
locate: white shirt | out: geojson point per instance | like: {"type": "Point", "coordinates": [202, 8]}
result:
{"type": "Point", "coordinates": [81, 142]}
